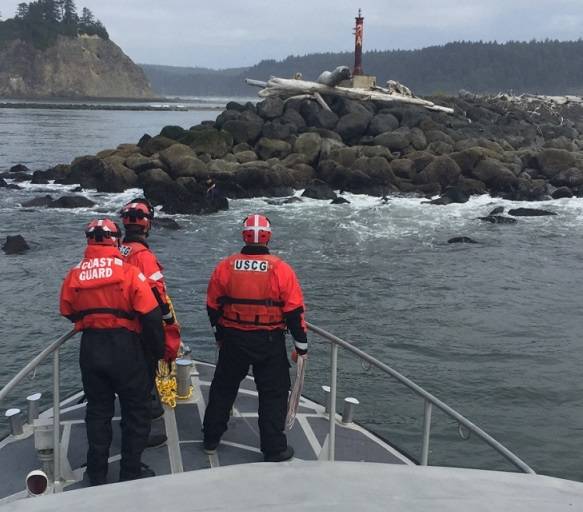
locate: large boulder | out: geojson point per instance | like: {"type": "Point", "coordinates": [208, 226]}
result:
{"type": "Point", "coordinates": [317, 117]}
{"type": "Point", "coordinates": [319, 190]}
{"type": "Point", "coordinates": [153, 177]}
{"type": "Point", "coordinates": [442, 170]}
{"type": "Point", "coordinates": [206, 139]}
{"type": "Point", "coordinates": [396, 140]}
{"type": "Point", "coordinates": [19, 168]}
{"type": "Point", "coordinates": [294, 118]}
{"type": "Point", "coordinates": [173, 132]}
{"type": "Point", "coordinates": [418, 139]}
{"type": "Point", "coordinates": [270, 108]}
{"type": "Point", "coordinates": [170, 156]}
{"type": "Point", "coordinates": [117, 178]}
{"type": "Point", "coordinates": [246, 156]}
{"type": "Point", "coordinates": [572, 177]}
{"type": "Point", "coordinates": [530, 190]}
{"type": "Point", "coordinates": [352, 126]}
{"type": "Point", "coordinates": [278, 129]}
{"type": "Point", "coordinates": [188, 198]}
{"type": "Point", "coordinates": [382, 123]}
{"type": "Point", "coordinates": [156, 144]}
{"type": "Point", "coordinates": [562, 192]}
{"type": "Point", "coordinates": [86, 171]}
{"type": "Point", "coordinates": [276, 181]}
{"type": "Point", "coordinates": [190, 167]}
{"type": "Point", "coordinates": [38, 201]}
{"type": "Point", "coordinates": [72, 202]}
{"type": "Point", "coordinates": [495, 175]}
{"type": "Point", "coordinates": [377, 168]}
{"type": "Point", "coordinates": [15, 245]}
{"type": "Point", "coordinates": [552, 161]}
{"type": "Point", "coordinates": [246, 129]}
{"type": "Point", "coordinates": [140, 163]}
{"type": "Point", "coordinates": [404, 168]}
{"type": "Point", "coordinates": [271, 148]}
{"type": "Point", "coordinates": [530, 212]}
{"type": "Point", "coordinates": [308, 144]}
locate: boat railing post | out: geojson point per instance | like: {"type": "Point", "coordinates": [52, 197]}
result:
{"type": "Point", "coordinates": [333, 383]}
{"type": "Point", "coordinates": [426, 433]}
{"type": "Point", "coordinates": [56, 423]}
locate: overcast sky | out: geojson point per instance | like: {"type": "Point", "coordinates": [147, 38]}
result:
{"type": "Point", "coordinates": [233, 33]}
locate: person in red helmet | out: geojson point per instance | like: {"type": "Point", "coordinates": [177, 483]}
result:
{"type": "Point", "coordinates": [111, 303]}
{"type": "Point", "coordinates": [137, 218]}
{"type": "Point", "coordinates": [253, 297]}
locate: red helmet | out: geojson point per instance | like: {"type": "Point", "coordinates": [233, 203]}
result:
{"type": "Point", "coordinates": [138, 212]}
{"type": "Point", "coordinates": [256, 229]}
{"type": "Point", "coordinates": [103, 232]}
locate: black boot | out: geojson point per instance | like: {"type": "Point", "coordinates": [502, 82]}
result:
{"type": "Point", "coordinates": [155, 440]}
{"type": "Point", "coordinates": [145, 472]}
{"type": "Point", "coordinates": [287, 454]}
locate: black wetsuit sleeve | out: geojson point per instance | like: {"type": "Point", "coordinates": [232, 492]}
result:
{"type": "Point", "coordinates": [153, 333]}
{"type": "Point", "coordinates": [293, 320]}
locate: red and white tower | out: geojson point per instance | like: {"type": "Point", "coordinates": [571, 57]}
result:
{"type": "Point", "coordinates": [358, 35]}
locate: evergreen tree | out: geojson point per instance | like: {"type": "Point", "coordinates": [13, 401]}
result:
{"type": "Point", "coordinates": [87, 17]}
{"type": "Point", "coordinates": [21, 11]}
{"type": "Point", "coordinates": [70, 13]}
{"type": "Point", "coordinates": [50, 10]}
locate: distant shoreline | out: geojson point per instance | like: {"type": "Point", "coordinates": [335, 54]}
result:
{"type": "Point", "coordinates": [168, 106]}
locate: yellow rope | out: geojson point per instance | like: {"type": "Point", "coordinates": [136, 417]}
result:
{"type": "Point", "coordinates": [166, 384]}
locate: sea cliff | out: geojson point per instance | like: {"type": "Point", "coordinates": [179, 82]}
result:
{"type": "Point", "coordinates": [81, 67]}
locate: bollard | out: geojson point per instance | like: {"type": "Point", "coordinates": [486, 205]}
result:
{"type": "Point", "coordinates": [326, 390]}
{"type": "Point", "coordinates": [33, 407]}
{"type": "Point", "coordinates": [15, 418]}
{"type": "Point", "coordinates": [348, 413]}
{"type": "Point", "coordinates": [183, 384]}
{"type": "Point", "coordinates": [43, 444]}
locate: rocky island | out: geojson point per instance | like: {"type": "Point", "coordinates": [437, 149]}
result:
{"type": "Point", "coordinates": [527, 149]}
{"type": "Point", "coordinates": [48, 51]}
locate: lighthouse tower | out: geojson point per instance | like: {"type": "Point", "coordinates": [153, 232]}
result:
{"type": "Point", "coordinates": [359, 79]}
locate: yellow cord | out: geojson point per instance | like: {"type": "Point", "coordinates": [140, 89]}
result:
{"type": "Point", "coordinates": [166, 384]}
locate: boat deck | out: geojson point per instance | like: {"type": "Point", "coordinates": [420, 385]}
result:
{"type": "Point", "coordinates": [183, 450]}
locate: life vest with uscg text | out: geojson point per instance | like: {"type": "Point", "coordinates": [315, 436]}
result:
{"type": "Point", "coordinates": [102, 292]}
{"type": "Point", "coordinates": [251, 298]}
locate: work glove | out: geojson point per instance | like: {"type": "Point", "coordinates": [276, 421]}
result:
{"type": "Point", "coordinates": [295, 355]}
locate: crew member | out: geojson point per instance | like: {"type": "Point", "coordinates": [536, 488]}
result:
{"type": "Point", "coordinates": [253, 297]}
{"type": "Point", "coordinates": [112, 304]}
{"type": "Point", "coordinates": [137, 218]}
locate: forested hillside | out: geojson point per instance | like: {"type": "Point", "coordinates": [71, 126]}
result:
{"type": "Point", "coordinates": [546, 67]}
{"type": "Point", "coordinates": [41, 22]}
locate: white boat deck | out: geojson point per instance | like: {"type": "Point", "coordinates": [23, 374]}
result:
{"type": "Point", "coordinates": [324, 486]}
{"type": "Point", "coordinates": [183, 451]}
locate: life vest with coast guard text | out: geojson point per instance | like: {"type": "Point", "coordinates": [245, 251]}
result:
{"type": "Point", "coordinates": [251, 297]}
{"type": "Point", "coordinates": [103, 292]}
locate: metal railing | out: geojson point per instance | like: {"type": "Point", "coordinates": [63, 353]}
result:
{"type": "Point", "coordinates": [429, 401]}
{"type": "Point", "coordinates": [335, 342]}
{"type": "Point", "coordinates": [52, 349]}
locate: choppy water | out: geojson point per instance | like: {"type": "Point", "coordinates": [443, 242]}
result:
{"type": "Point", "coordinates": [493, 329]}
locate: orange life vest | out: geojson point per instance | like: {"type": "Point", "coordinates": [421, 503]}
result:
{"type": "Point", "coordinates": [100, 292]}
{"type": "Point", "coordinates": [251, 299]}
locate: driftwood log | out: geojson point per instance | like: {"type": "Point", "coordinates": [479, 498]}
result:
{"type": "Point", "coordinates": [288, 87]}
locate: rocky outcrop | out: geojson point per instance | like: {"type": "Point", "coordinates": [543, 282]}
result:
{"type": "Point", "coordinates": [82, 67]}
{"type": "Point", "coordinates": [270, 149]}
{"type": "Point", "coordinates": [15, 245]}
